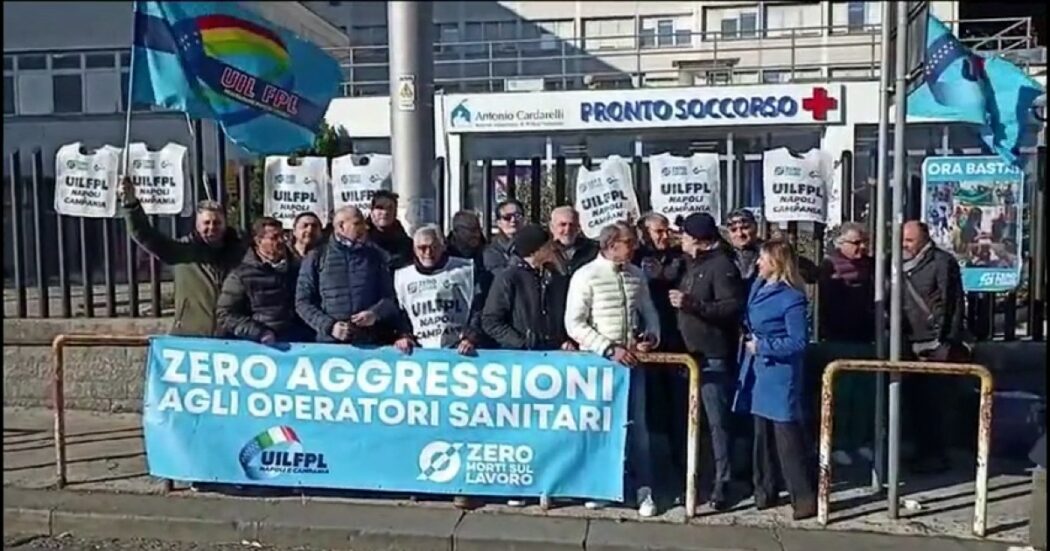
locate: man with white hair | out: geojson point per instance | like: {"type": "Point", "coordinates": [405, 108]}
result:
{"type": "Point", "coordinates": [441, 302]}
{"type": "Point", "coordinates": [575, 249]}
{"type": "Point", "coordinates": [610, 312]}
{"type": "Point", "coordinates": [439, 295]}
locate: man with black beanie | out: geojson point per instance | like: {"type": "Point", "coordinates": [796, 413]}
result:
{"type": "Point", "coordinates": [710, 300]}
{"type": "Point", "coordinates": [386, 231]}
{"type": "Point", "coordinates": [525, 308]}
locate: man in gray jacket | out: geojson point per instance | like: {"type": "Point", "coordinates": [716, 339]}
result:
{"type": "Point", "coordinates": [933, 306]}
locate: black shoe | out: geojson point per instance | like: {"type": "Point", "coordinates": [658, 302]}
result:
{"type": "Point", "coordinates": [804, 510]}
{"type": "Point", "coordinates": [930, 465]}
{"type": "Point", "coordinates": [763, 503]}
{"type": "Point", "coordinates": [719, 504]}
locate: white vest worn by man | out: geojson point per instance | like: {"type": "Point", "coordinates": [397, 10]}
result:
{"type": "Point", "coordinates": [438, 304]}
{"type": "Point", "coordinates": [609, 305]}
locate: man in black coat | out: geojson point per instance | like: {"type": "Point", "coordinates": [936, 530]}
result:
{"type": "Point", "coordinates": [386, 231]}
{"type": "Point", "coordinates": [710, 301]}
{"type": "Point", "coordinates": [933, 307]}
{"type": "Point", "coordinates": [575, 249]}
{"type": "Point", "coordinates": [257, 301]}
{"type": "Point", "coordinates": [663, 265]}
{"type": "Point", "coordinates": [510, 216]}
{"type": "Point", "coordinates": [525, 308]}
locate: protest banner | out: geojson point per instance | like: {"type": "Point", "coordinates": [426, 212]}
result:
{"type": "Point", "coordinates": [438, 304]}
{"type": "Point", "coordinates": [294, 188]}
{"type": "Point", "coordinates": [680, 186]}
{"type": "Point", "coordinates": [795, 186]}
{"type": "Point", "coordinates": [86, 183]}
{"type": "Point", "coordinates": [605, 195]}
{"type": "Point", "coordinates": [355, 178]}
{"type": "Point", "coordinates": [501, 423]}
{"type": "Point", "coordinates": [972, 206]}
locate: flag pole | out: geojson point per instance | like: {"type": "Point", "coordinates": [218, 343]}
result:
{"type": "Point", "coordinates": [196, 152]}
{"type": "Point", "coordinates": [125, 161]}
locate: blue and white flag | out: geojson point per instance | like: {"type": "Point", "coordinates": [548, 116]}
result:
{"type": "Point", "coordinates": [501, 423]}
{"type": "Point", "coordinates": [962, 86]}
{"type": "Point", "coordinates": [268, 88]}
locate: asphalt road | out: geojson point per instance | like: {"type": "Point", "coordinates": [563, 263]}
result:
{"type": "Point", "coordinates": [70, 543]}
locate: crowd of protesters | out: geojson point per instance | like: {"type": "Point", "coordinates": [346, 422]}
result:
{"type": "Point", "coordinates": [738, 305]}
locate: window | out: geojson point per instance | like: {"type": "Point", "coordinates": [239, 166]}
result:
{"type": "Point", "coordinates": [65, 61]}
{"type": "Point", "coordinates": [665, 32]}
{"type": "Point", "coordinates": [609, 34]}
{"type": "Point", "coordinates": [800, 19]}
{"type": "Point", "coordinates": [855, 17]}
{"type": "Point", "coordinates": [775, 77]}
{"type": "Point", "coordinates": [731, 23]}
{"type": "Point", "coordinates": [100, 61]}
{"type": "Point", "coordinates": [502, 35]}
{"type": "Point", "coordinates": [32, 62]}
{"type": "Point", "coordinates": [9, 94]}
{"type": "Point", "coordinates": [68, 93]}
{"type": "Point", "coordinates": [375, 35]}
{"type": "Point", "coordinates": [446, 36]}
{"type": "Point", "coordinates": [548, 35]}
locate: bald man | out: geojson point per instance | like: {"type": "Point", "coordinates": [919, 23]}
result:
{"type": "Point", "coordinates": [345, 290]}
{"type": "Point", "coordinates": [933, 307]}
{"type": "Point", "coordinates": [575, 249]}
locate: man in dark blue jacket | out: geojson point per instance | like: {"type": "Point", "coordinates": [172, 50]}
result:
{"type": "Point", "coordinates": [345, 290]}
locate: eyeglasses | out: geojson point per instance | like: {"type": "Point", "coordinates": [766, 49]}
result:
{"type": "Point", "coordinates": [738, 227]}
{"type": "Point", "coordinates": [510, 216]}
{"type": "Point", "coordinates": [856, 242]}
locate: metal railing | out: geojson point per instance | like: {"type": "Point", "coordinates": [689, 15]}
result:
{"type": "Point", "coordinates": [65, 267]}
{"type": "Point", "coordinates": [692, 460]}
{"type": "Point", "coordinates": [58, 393]}
{"type": "Point", "coordinates": [984, 424]}
{"type": "Point", "coordinates": [637, 60]}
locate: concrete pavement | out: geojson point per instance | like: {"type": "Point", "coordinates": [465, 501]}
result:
{"type": "Point", "coordinates": [111, 496]}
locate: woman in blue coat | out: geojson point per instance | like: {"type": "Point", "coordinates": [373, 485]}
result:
{"type": "Point", "coordinates": [771, 387]}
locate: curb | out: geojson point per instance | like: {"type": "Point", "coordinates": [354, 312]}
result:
{"type": "Point", "coordinates": [381, 527]}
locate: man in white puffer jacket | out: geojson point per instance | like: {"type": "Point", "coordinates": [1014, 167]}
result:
{"type": "Point", "coordinates": [609, 312]}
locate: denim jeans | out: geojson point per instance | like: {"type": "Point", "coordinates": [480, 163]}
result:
{"type": "Point", "coordinates": [639, 458]}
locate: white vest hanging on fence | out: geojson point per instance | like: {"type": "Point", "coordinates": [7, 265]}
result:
{"type": "Point", "coordinates": [86, 184]}
{"type": "Point", "coordinates": [680, 186]}
{"type": "Point", "coordinates": [605, 195]}
{"type": "Point", "coordinates": [438, 305]}
{"type": "Point", "coordinates": [353, 184]}
{"type": "Point", "coordinates": [293, 189]}
{"type": "Point", "coordinates": [795, 187]}
{"type": "Point", "coordinates": [160, 178]}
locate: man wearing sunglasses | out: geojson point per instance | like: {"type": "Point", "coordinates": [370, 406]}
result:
{"type": "Point", "coordinates": [510, 216]}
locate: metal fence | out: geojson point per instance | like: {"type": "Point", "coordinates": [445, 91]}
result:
{"type": "Point", "coordinates": [64, 267]}
{"type": "Point", "coordinates": [648, 58]}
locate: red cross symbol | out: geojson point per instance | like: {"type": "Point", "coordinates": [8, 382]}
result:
{"type": "Point", "coordinates": [820, 103]}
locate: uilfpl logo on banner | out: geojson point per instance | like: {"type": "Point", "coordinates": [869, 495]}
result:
{"type": "Point", "coordinates": [278, 451]}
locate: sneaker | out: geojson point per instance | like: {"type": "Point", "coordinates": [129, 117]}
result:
{"type": "Point", "coordinates": [594, 505]}
{"type": "Point", "coordinates": [646, 505]}
{"type": "Point", "coordinates": [515, 503]}
{"type": "Point", "coordinates": [866, 453]}
{"type": "Point", "coordinates": [841, 458]}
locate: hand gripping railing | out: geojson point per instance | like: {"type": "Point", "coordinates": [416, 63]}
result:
{"type": "Point", "coordinates": [58, 383]}
{"type": "Point", "coordinates": [984, 424]}
{"type": "Point", "coordinates": [692, 445]}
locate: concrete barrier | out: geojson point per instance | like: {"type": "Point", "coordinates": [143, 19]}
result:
{"type": "Point", "coordinates": [113, 379]}
{"type": "Point", "coordinates": [99, 379]}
